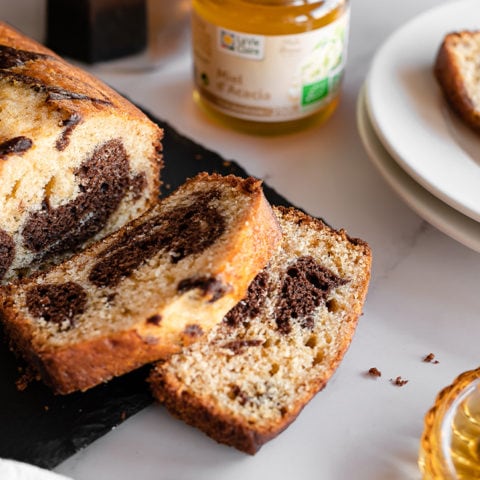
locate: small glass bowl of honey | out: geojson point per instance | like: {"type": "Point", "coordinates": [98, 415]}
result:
{"type": "Point", "coordinates": [450, 443]}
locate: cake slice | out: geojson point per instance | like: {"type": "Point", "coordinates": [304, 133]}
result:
{"type": "Point", "coordinates": [251, 376]}
{"type": "Point", "coordinates": [77, 161]}
{"type": "Point", "coordinates": [147, 290]}
{"type": "Point", "coordinates": [457, 69]}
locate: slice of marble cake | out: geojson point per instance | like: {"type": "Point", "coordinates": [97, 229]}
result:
{"type": "Point", "coordinates": [147, 290]}
{"type": "Point", "coordinates": [247, 380]}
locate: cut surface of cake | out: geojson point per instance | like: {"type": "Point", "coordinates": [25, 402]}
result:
{"type": "Point", "coordinates": [77, 160]}
{"type": "Point", "coordinates": [250, 377]}
{"type": "Point", "coordinates": [457, 69]}
{"type": "Point", "coordinates": [156, 285]}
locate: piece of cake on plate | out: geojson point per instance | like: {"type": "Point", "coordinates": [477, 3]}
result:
{"type": "Point", "coordinates": [457, 70]}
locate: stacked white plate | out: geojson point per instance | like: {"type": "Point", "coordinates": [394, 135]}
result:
{"type": "Point", "coordinates": [419, 146]}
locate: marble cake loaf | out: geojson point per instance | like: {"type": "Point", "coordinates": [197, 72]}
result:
{"type": "Point", "coordinates": [77, 160]}
{"type": "Point", "coordinates": [251, 376]}
{"type": "Point", "coordinates": [145, 291]}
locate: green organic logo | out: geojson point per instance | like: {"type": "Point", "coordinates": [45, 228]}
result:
{"type": "Point", "coordinates": [313, 92]}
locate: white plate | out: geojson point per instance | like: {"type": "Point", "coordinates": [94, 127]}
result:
{"type": "Point", "coordinates": [439, 214]}
{"type": "Point", "coordinates": [410, 116]}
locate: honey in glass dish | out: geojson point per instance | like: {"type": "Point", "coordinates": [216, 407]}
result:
{"type": "Point", "coordinates": [269, 66]}
{"type": "Point", "coordinates": [450, 443]}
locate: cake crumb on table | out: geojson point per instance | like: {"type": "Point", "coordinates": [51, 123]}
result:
{"type": "Point", "coordinates": [398, 381]}
{"type": "Point", "coordinates": [430, 358]}
{"type": "Point", "coordinates": [374, 372]}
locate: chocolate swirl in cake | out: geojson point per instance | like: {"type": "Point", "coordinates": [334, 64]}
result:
{"type": "Point", "coordinates": [208, 285]}
{"type": "Point", "coordinates": [305, 286]}
{"type": "Point", "coordinates": [58, 303]}
{"type": "Point", "coordinates": [184, 231]}
{"type": "Point", "coordinates": [16, 145]}
{"type": "Point", "coordinates": [154, 320]}
{"type": "Point", "coordinates": [7, 252]}
{"type": "Point", "coordinates": [12, 57]}
{"type": "Point", "coordinates": [138, 184]}
{"type": "Point", "coordinates": [70, 123]}
{"type": "Point", "coordinates": [252, 304]}
{"type": "Point", "coordinates": [103, 180]}
{"type": "Point", "coordinates": [239, 346]}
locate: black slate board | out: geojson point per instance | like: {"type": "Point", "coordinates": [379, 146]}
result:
{"type": "Point", "coordinates": [40, 428]}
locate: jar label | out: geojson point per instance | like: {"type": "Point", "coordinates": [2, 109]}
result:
{"type": "Point", "coordinates": [269, 78]}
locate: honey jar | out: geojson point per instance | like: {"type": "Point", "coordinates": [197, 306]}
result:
{"type": "Point", "coordinates": [269, 66]}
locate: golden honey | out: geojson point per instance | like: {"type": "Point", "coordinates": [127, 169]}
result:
{"type": "Point", "coordinates": [269, 66]}
{"type": "Point", "coordinates": [450, 443]}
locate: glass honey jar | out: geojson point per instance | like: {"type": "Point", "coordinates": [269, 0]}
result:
{"type": "Point", "coordinates": [269, 66]}
{"type": "Point", "coordinates": [450, 443]}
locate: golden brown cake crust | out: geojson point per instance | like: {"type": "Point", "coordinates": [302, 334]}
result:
{"type": "Point", "coordinates": [53, 71]}
{"type": "Point", "coordinates": [453, 82]}
{"type": "Point", "coordinates": [61, 82]}
{"type": "Point", "coordinates": [223, 429]}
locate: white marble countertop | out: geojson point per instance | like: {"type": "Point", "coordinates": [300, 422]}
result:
{"type": "Point", "coordinates": [423, 296]}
